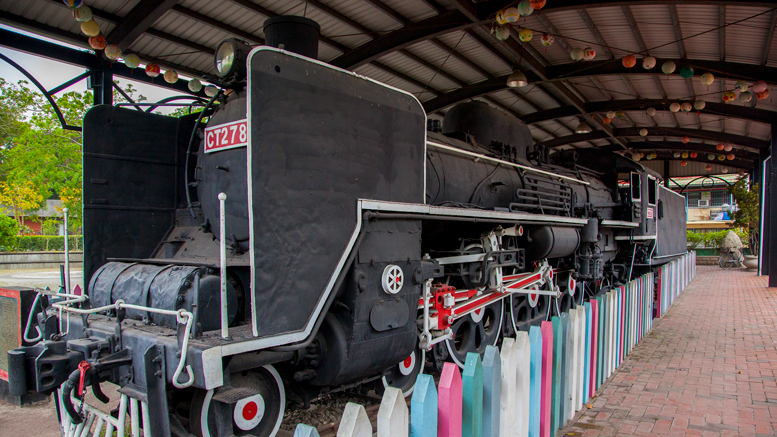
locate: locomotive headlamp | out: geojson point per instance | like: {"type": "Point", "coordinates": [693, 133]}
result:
{"type": "Point", "coordinates": [230, 59]}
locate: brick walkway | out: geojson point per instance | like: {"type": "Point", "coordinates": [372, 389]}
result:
{"type": "Point", "coordinates": [708, 367]}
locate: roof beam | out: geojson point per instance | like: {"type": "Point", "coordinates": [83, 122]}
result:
{"type": "Point", "coordinates": [769, 37]}
{"type": "Point", "coordinates": [138, 20]}
{"type": "Point", "coordinates": [660, 131]}
{"type": "Point", "coordinates": [712, 108]}
{"type": "Point", "coordinates": [721, 32]}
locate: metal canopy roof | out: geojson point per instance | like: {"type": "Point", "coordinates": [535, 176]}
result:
{"type": "Point", "coordinates": [443, 52]}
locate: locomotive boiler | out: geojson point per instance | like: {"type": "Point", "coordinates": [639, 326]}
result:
{"type": "Point", "coordinates": [321, 233]}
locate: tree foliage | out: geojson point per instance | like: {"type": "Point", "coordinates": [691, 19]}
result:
{"type": "Point", "coordinates": [748, 212]}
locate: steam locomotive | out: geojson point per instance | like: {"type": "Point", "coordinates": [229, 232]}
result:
{"type": "Point", "coordinates": [319, 233]}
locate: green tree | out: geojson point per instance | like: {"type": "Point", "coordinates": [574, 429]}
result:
{"type": "Point", "coordinates": [8, 230]}
{"type": "Point", "coordinates": [748, 212]}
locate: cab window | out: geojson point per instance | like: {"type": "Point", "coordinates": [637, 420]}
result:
{"type": "Point", "coordinates": [636, 187]}
{"type": "Point", "coordinates": [652, 191]}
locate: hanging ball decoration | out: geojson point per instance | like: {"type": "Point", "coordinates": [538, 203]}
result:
{"type": "Point", "coordinates": [721, 157]}
{"type": "Point", "coordinates": [649, 156]}
{"type": "Point", "coordinates": [648, 63]}
{"type": "Point", "coordinates": [547, 39]}
{"type": "Point", "coordinates": [620, 114]}
{"type": "Point", "coordinates": [685, 140]}
{"type": "Point", "coordinates": [502, 33]}
{"type": "Point", "coordinates": [694, 154]}
{"type": "Point", "coordinates": [683, 163]}
{"type": "Point", "coordinates": [729, 96]}
{"type": "Point", "coordinates": [653, 155]}
{"type": "Point", "coordinates": [728, 148]}
{"type": "Point", "coordinates": [745, 97]}
{"type": "Point", "coordinates": [699, 105]}
{"type": "Point", "coordinates": [686, 72]}
{"type": "Point", "coordinates": [152, 70]}
{"type": "Point", "coordinates": [651, 112]}
{"type": "Point", "coordinates": [90, 28]}
{"type": "Point", "coordinates": [762, 95]}
{"type": "Point", "coordinates": [97, 42]}
{"type": "Point", "coordinates": [512, 15]}
{"type": "Point", "coordinates": [171, 76]}
{"type": "Point", "coordinates": [525, 35]}
{"type": "Point", "coordinates": [195, 85]}
{"type": "Point", "coordinates": [708, 168]}
{"type": "Point", "coordinates": [74, 3]}
{"type": "Point", "coordinates": [537, 4]}
{"type": "Point", "coordinates": [211, 91]}
{"type": "Point", "coordinates": [686, 107]}
{"type": "Point", "coordinates": [676, 154]}
{"type": "Point", "coordinates": [707, 79]}
{"type": "Point", "coordinates": [629, 61]}
{"type": "Point", "coordinates": [760, 86]}
{"type": "Point", "coordinates": [500, 17]}
{"type": "Point", "coordinates": [607, 120]}
{"type": "Point", "coordinates": [674, 107]}
{"type": "Point", "coordinates": [725, 170]}
{"type": "Point", "coordinates": [710, 157]}
{"type": "Point", "coordinates": [740, 86]}
{"type": "Point", "coordinates": [668, 67]}
{"type": "Point", "coordinates": [525, 8]}
{"type": "Point", "coordinates": [643, 132]}
{"type": "Point", "coordinates": [82, 13]}
{"type": "Point", "coordinates": [577, 54]}
{"type": "Point", "coordinates": [720, 146]}
{"type": "Point", "coordinates": [132, 60]}
{"type": "Point", "coordinates": [636, 156]}
{"type": "Point", "coordinates": [685, 154]}
{"type": "Point", "coordinates": [589, 53]}
{"type": "Point", "coordinates": [610, 114]}
{"type": "Point", "coordinates": [112, 52]}
{"type": "Point", "coordinates": [730, 156]}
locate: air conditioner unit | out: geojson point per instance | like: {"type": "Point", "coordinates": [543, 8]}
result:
{"type": "Point", "coordinates": [704, 203]}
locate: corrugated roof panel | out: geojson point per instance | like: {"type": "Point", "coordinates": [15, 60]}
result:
{"type": "Point", "coordinates": [697, 19]}
{"type": "Point", "coordinates": [449, 63]}
{"type": "Point", "coordinates": [413, 10]}
{"type": "Point", "coordinates": [745, 40]}
{"type": "Point", "coordinates": [474, 51]}
{"type": "Point", "coordinates": [574, 29]}
{"type": "Point", "coordinates": [655, 25]}
{"type": "Point", "coordinates": [614, 27]}
{"type": "Point", "coordinates": [228, 13]}
{"type": "Point", "coordinates": [555, 53]}
{"type": "Point", "coordinates": [407, 66]}
{"type": "Point", "coordinates": [760, 130]}
{"type": "Point", "coordinates": [365, 14]}
{"type": "Point", "coordinates": [389, 79]}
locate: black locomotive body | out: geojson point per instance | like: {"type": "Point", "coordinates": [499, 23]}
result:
{"type": "Point", "coordinates": [361, 247]}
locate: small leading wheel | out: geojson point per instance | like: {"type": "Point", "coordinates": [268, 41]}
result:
{"type": "Point", "coordinates": [259, 413]}
{"type": "Point", "coordinates": [403, 375]}
{"type": "Point", "coordinates": [475, 331]}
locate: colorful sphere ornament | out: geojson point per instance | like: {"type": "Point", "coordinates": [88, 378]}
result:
{"type": "Point", "coordinates": [500, 17]}
{"type": "Point", "coordinates": [762, 95]}
{"type": "Point", "coordinates": [686, 72]}
{"type": "Point", "coordinates": [729, 96]}
{"type": "Point", "coordinates": [760, 86]}
{"type": "Point", "coordinates": [730, 156]}
{"type": "Point", "coordinates": [728, 148]}
{"type": "Point", "coordinates": [153, 70]}
{"type": "Point", "coordinates": [502, 33]}
{"type": "Point", "coordinates": [525, 8]}
{"type": "Point", "coordinates": [648, 63]}
{"type": "Point", "coordinates": [653, 155]}
{"type": "Point", "coordinates": [683, 163]}
{"type": "Point", "coordinates": [171, 76]}
{"type": "Point", "coordinates": [676, 154]}
{"type": "Point", "coordinates": [708, 168]}
{"type": "Point", "coordinates": [685, 140]}
{"type": "Point", "coordinates": [547, 39]}
{"type": "Point", "coordinates": [636, 156]}
{"type": "Point", "coordinates": [707, 79]}
{"type": "Point", "coordinates": [589, 53]}
{"type": "Point", "coordinates": [629, 61]}
{"type": "Point", "coordinates": [132, 60]}
{"type": "Point", "coordinates": [710, 157]}
{"type": "Point", "coordinates": [721, 157]}
{"type": "Point", "coordinates": [97, 42]}
{"type": "Point", "coordinates": [537, 4]}
{"type": "Point", "coordinates": [651, 112]}
{"type": "Point", "coordinates": [649, 156]}
{"type": "Point", "coordinates": [643, 132]}
{"type": "Point", "coordinates": [512, 15]}
{"type": "Point", "coordinates": [82, 13]}
{"type": "Point", "coordinates": [725, 170]}
{"type": "Point", "coordinates": [694, 154]}
{"type": "Point", "coordinates": [525, 35]}
{"type": "Point", "coordinates": [699, 105]}
{"type": "Point", "coordinates": [607, 120]}
{"type": "Point", "coordinates": [686, 107]}
{"type": "Point", "coordinates": [211, 91]}
{"type": "Point", "coordinates": [674, 107]}
{"type": "Point", "coordinates": [610, 114]}
{"type": "Point", "coordinates": [90, 28]}
{"type": "Point", "coordinates": [112, 52]}
{"type": "Point", "coordinates": [668, 67]}
{"type": "Point", "coordinates": [740, 86]}
{"type": "Point", "coordinates": [745, 97]}
{"type": "Point", "coordinates": [195, 85]}
{"type": "Point", "coordinates": [720, 146]}
{"type": "Point", "coordinates": [74, 3]}
{"type": "Point", "coordinates": [685, 154]}
{"type": "Point", "coordinates": [577, 54]}
{"type": "Point", "coordinates": [620, 114]}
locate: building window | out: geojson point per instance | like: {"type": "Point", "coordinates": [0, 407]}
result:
{"type": "Point", "coordinates": [718, 198]}
{"type": "Point", "coordinates": [693, 199]}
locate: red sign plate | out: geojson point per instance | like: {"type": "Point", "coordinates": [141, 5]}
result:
{"type": "Point", "coordinates": [650, 213]}
{"type": "Point", "coordinates": [226, 136]}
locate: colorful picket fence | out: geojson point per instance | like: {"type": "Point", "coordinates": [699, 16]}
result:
{"type": "Point", "coordinates": [536, 382]}
{"type": "Point", "coordinates": [673, 277]}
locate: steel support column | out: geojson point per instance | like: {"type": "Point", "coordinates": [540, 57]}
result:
{"type": "Point", "coordinates": [770, 212]}
{"type": "Point", "coordinates": [666, 173]}
{"type": "Point", "coordinates": [100, 82]}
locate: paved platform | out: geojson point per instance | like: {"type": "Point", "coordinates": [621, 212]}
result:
{"type": "Point", "coordinates": [708, 367]}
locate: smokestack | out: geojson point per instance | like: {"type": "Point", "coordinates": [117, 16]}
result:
{"type": "Point", "coordinates": [295, 34]}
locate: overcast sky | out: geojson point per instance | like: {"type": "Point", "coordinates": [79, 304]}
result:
{"type": "Point", "coordinates": [52, 73]}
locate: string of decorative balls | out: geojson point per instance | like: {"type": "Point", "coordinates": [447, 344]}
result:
{"type": "Point", "coordinates": [83, 14]}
